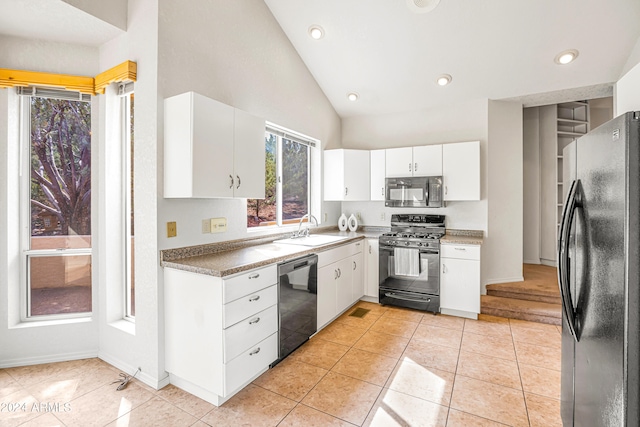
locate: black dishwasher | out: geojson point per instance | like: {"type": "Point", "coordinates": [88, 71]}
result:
{"type": "Point", "coordinates": [297, 303]}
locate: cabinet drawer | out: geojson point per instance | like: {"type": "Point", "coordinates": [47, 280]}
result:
{"type": "Point", "coordinates": [341, 252]}
{"type": "Point", "coordinates": [249, 363]}
{"type": "Point", "coordinates": [250, 331]}
{"type": "Point", "coordinates": [243, 284]}
{"type": "Point", "coordinates": [460, 251]}
{"type": "Point", "coordinates": [249, 305]}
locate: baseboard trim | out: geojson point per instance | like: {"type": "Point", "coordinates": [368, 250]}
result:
{"type": "Point", "coordinates": [458, 313]}
{"type": "Point", "coordinates": [505, 280]}
{"type": "Point", "coordinates": [50, 358]}
{"type": "Point", "coordinates": [531, 261]}
{"type": "Point", "coordinates": [549, 262]}
{"type": "Point", "coordinates": [150, 380]}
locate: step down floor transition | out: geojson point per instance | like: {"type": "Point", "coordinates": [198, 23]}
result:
{"type": "Point", "coordinates": [536, 299]}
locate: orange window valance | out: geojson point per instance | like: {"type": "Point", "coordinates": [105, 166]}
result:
{"type": "Point", "coordinates": [125, 72]}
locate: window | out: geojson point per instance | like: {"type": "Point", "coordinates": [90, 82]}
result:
{"type": "Point", "coordinates": [127, 107]}
{"type": "Point", "coordinates": [56, 203]}
{"type": "Point", "coordinates": [287, 177]}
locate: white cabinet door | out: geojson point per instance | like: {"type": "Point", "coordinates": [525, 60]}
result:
{"type": "Point", "coordinates": [327, 278]}
{"type": "Point", "coordinates": [198, 147]}
{"type": "Point", "coordinates": [346, 175]}
{"type": "Point", "coordinates": [460, 285]}
{"type": "Point", "coordinates": [357, 287]}
{"type": "Point", "coordinates": [461, 171]}
{"type": "Point", "coordinates": [356, 175]}
{"type": "Point", "coordinates": [399, 162]}
{"type": "Point", "coordinates": [249, 154]}
{"type": "Point", "coordinates": [427, 160]}
{"type": "Point", "coordinates": [377, 174]}
{"type": "Point", "coordinates": [344, 285]}
{"type": "Point", "coordinates": [372, 273]}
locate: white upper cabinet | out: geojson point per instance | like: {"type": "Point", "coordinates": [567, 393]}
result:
{"type": "Point", "coordinates": [377, 162]}
{"type": "Point", "coordinates": [399, 162]}
{"type": "Point", "coordinates": [211, 150]}
{"type": "Point", "coordinates": [346, 175]}
{"type": "Point", "coordinates": [425, 160]}
{"type": "Point", "coordinates": [249, 154]}
{"type": "Point", "coordinates": [461, 171]}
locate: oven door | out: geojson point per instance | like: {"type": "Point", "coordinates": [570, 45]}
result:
{"type": "Point", "coordinates": [428, 280]}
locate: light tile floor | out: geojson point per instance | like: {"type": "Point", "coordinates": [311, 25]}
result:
{"type": "Point", "coordinates": [392, 367]}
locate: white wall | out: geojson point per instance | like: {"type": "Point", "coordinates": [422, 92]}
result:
{"type": "Point", "coordinates": [502, 248]}
{"type": "Point", "coordinates": [531, 185]}
{"type": "Point", "coordinates": [240, 57]}
{"type": "Point", "coordinates": [627, 92]}
{"type": "Point", "coordinates": [114, 11]}
{"type": "Point", "coordinates": [23, 345]}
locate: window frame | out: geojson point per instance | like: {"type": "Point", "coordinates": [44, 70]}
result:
{"type": "Point", "coordinates": [24, 197]}
{"type": "Point", "coordinates": [282, 133]}
{"type": "Point", "coordinates": [125, 91]}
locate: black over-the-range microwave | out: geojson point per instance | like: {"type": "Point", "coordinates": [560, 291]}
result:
{"type": "Point", "coordinates": [414, 192]}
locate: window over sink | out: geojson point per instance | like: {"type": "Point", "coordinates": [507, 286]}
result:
{"type": "Point", "coordinates": [287, 180]}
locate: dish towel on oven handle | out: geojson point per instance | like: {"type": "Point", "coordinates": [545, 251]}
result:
{"type": "Point", "coordinates": [406, 262]}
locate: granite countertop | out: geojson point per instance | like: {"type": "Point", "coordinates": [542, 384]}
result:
{"type": "Point", "coordinates": [227, 258]}
{"type": "Point", "coordinates": [462, 237]}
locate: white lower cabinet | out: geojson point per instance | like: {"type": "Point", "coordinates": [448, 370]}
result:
{"type": "Point", "coordinates": [460, 280]}
{"type": "Point", "coordinates": [220, 334]}
{"type": "Point", "coordinates": [339, 280]}
{"type": "Point", "coordinates": [371, 281]}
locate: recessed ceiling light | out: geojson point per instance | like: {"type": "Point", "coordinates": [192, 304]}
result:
{"type": "Point", "coordinates": [352, 96]}
{"type": "Point", "coordinates": [422, 6]}
{"type": "Point", "coordinates": [316, 32]}
{"type": "Point", "coordinates": [443, 80]}
{"type": "Point", "coordinates": [565, 57]}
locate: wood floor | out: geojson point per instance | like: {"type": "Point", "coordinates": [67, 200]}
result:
{"type": "Point", "coordinates": [536, 299]}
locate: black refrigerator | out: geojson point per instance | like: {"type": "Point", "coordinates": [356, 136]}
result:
{"type": "Point", "coordinates": [598, 275]}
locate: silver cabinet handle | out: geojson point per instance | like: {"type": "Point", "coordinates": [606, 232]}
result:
{"type": "Point", "coordinates": [369, 249]}
{"type": "Point", "coordinates": [415, 167]}
{"type": "Point", "coordinates": [354, 265]}
{"type": "Point", "coordinates": [460, 249]}
{"type": "Point", "coordinates": [409, 166]}
{"type": "Point", "coordinates": [444, 269]}
{"type": "Point", "coordinates": [254, 321]}
{"type": "Point", "coordinates": [446, 190]}
{"type": "Point", "coordinates": [254, 298]}
{"type": "Point", "coordinates": [335, 274]}
{"type": "Point", "coordinates": [254, 276]}
{"type": "Point", "coordinates": [382, 191]}
{"type": "Point", "coordinates": [339, 273]}
{"type": "Point", "coordinates": [346, 190]}
{"type": "Point", "coordinates": [231, 178]}
{"type": "Point", "coordinates": [256, 351]}
{"type": "Point", "coordinates": [238, 186]}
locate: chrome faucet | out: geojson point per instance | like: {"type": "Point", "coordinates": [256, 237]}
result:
{"type": "Point", "coordinates": [304, 233]}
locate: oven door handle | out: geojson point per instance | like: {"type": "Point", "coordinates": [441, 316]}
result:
{"type": "Point", "coordinates": [418, 299]}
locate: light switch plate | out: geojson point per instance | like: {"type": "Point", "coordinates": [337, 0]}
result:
{"type": "Point", "coordinates": [218, 225]}
{"type": "Point", "coordinates": [172, 229]}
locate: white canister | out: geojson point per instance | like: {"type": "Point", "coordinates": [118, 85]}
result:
{"type": "Point", "coordinates": [353, 222]}
{"type": "Point", "coordinates": [342, 223]}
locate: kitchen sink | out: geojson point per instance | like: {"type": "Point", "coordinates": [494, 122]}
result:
{"type": "Point", "coordinates": [311, 240]}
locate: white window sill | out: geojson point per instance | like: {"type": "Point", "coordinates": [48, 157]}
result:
{"type": "Point", "coordinates": [125, 326]}
{"type": "Point", "coordinates": [53, 322]}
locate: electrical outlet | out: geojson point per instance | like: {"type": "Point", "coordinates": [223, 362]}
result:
{"type": "Point", "coordinates": [172, 229]}
{"type": "Point", "coordinates": [358, 217]}
{"type": "Point", "coordinates": [326, 217]}
{"type": "Point", "coordinates": [382, 216]}
{"type": "Point", "coordinates": [206, 226]}
{"type": "Point", "coordinates": [218, 225]}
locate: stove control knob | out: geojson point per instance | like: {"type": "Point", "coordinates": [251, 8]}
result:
{"type": "Point", "coordinates": [406, 243]}
{"type": "Point", "coordinates": [419, 243]}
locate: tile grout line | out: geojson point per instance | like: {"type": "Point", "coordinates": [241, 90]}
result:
{"type": "Point", "coordinates": [524, 397]}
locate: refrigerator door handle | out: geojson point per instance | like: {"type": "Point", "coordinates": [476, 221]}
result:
{"type": "Point", "coordinates": [570, 206]}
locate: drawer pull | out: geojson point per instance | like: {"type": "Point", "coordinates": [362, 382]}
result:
{"type": "Point", "coordinates": [256, 351]}
{"type": "Point", "coordinates": [254, 276]}
{"type": "Point", "coordinates": [460, 249]}
{"type": "Point", "coordinates": [254, 298]}
{"type": "Point", "coordinates": [354, 265]}
{"type": "Point", "coordinates": [253, 321]}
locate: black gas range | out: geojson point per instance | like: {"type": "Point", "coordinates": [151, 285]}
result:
{"type": "Point", "coordinates": [410, 262]}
